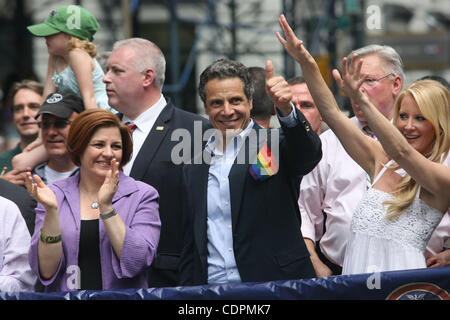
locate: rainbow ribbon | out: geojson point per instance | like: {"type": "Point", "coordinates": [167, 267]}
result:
{"type": "Point", "coordinates": [266, 165]}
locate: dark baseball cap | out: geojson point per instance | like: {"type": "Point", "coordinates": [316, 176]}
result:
{"type": "Point", "coordinates": [62, 105]}
{"type": "Point", "coordinates": [72, 19]}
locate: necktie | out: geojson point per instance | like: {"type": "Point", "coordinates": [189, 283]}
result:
{"type": "Point", "coordinates": [131, 125]}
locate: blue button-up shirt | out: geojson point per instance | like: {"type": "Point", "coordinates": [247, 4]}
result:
{"type": "Point", "coordinates": [222, 266]}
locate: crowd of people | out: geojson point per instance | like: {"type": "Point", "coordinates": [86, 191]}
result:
{"type": "Point", "coordinates": [92, 199]}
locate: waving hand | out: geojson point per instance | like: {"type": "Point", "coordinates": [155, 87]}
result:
{"type": "Point", "coordinates": [292, 44]}
{"type": "Point", "coordinates": [352, 78]}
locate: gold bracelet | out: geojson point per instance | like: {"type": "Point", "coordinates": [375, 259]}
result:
{"type": "Point", "coordinates": [50, 239]}
{"type": "Point", "coordinates": [108, 215]}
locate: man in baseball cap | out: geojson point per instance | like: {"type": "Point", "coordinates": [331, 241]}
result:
{"type": "Point", "coordinates": [61, 105]}
{"type": "Point", "coordinates": [56, 114]}
{"type": "Point", "coordinates": [72, 19]}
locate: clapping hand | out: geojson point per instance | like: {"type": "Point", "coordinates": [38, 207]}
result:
{"type": "Point", "coordinates": [109, 186]}
{"type": "Point", "coordinates": [41, 192]}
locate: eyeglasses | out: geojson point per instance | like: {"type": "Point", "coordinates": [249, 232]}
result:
{"type": "Point", "coordinates": [371, 82]}
{"type": "Point", "coordinates": [58, 124]}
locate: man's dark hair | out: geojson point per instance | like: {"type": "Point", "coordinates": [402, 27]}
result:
{"type": "Point", "coordinates": [439, 79]}
{"type": "Point", "coordinates": [296, 80]}
{"type": "Point", "coordinates": [262, 105]}
{"type": "Point", "coordinates": [25, 84]}
{"type": "Point", "coordinates": [224, 69]}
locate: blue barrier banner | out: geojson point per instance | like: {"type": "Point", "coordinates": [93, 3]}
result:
{"type": "Point", "coordinates": [419, 284]}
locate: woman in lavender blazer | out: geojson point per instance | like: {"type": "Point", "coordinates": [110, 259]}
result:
{"type": "Point", "coordinates": [99, 229]}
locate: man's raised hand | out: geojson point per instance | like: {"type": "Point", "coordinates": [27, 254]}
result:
{"type": "Point", "coordinates": [278, 90]}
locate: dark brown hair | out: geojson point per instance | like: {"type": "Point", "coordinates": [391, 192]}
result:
{"type": "Point", "coordinates": [86, 124]}
{"type": "Point", "coordinates": [25, 84]}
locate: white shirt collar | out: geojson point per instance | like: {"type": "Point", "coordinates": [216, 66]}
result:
{"type": "Point", "coordinates": [144, 122]}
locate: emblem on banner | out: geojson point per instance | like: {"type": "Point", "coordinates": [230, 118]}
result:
{"type": "Point", "coordinates": [419, 291]}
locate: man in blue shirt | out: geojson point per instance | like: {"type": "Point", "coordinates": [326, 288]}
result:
{"type": "Point", "coordinates": [242, 221]}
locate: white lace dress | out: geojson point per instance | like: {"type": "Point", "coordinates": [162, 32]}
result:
{"type": "Point", "coordinates": [377, 244]}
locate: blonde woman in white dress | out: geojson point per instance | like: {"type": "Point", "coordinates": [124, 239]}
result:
{"type": "Point", "coordinates": [410, 188]}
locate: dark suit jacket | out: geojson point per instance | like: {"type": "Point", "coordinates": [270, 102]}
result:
{"type": "Point", "coordinates": [267, 241]}
{"type": "Point", "coordinates": [153, 165]}
{"type": "Point", "coordinates": [22, 199]}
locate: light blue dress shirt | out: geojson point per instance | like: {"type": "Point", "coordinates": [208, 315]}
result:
{"type": "Point", "coordinates": [222, 266]}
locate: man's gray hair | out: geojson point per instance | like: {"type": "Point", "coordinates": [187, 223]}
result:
{"type": "Point", "coordinates": [224, 69]}
{"type": "Point", "coordinates": [148, 55]}
{"type": "Point", "coordinates": [393, 61]}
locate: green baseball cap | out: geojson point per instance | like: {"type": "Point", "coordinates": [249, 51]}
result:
{"type": "Point", "coordinates": [73, 20]}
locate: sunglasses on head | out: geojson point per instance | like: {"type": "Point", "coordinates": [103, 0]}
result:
{"type": "Point", "coordinates": [58, 124]}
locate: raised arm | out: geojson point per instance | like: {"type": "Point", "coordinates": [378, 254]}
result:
{"type": "Point", "coordinates": [49, 252]}
{"type": "Point", "coordinates": [114, 225]}
{"type": "Point", "coordinates": [300, 147]}
{"type": "Point", "coordinates": [81, 64]}
{"type": "Point", "coordinates": [364, 150]}
{"type": "Point", "coordinates": [30, 159]}
{"type": "Point", "coordinates": [49, 86]}
{"type": "Point", "coordinates": [432, 176]}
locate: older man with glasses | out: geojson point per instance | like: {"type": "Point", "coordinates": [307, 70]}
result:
{"type": "Point", "coordinates": [56, 114]}
{"type": "Point", "coordinates": [330, 193]}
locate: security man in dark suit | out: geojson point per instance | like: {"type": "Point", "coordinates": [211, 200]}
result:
{"type": "Point", "coordinates": [134, 81]}
{"type": "Point", "coordinates": [242, 222]}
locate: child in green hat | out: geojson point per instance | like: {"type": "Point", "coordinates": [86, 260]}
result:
{"type": "Point", "coordinates": [72, 66]}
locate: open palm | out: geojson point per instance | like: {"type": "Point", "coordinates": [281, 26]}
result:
{"type": "Point", "coordinates": [292, 44]}
{"type": "Point", "coordinates": [352, 78]}
{"type": "Point", "coordinates": [110, 184]}
{"type": "Point", "coordinates": [41, 192]}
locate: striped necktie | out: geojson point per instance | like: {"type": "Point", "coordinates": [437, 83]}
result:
{"type": "Point", "coordinates": [131, 125]}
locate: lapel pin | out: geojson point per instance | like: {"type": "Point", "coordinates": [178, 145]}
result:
{"type": "Point", "coordinates": [307, 128]}
{"type": "Point", "coordinates": [159, 128]}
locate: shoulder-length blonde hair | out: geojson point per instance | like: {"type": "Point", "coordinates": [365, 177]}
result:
{"type": "Point", "coordinates": [85, 45]}
{"type": "Point", "coordinates": [433, 100]}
